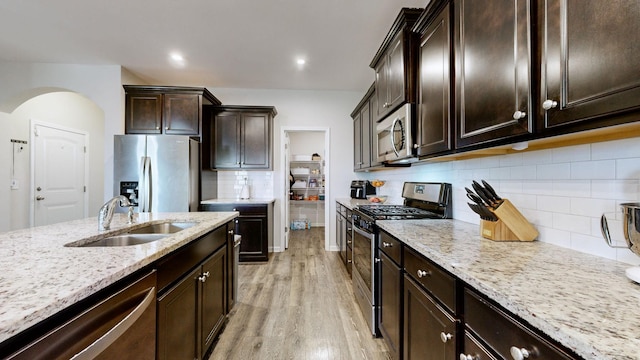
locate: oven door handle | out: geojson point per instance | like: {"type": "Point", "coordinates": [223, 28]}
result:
{"type": "Point", "coordinates": [364, 233]}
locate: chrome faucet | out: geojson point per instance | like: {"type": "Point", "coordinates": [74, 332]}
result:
{"type": "Point", "coordinates": [106, 211]}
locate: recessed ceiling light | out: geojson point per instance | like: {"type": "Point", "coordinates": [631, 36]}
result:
{"type": "Point", "coordinates": [177, 60]}
{"type": "Point", "coordinates": [301, 61]}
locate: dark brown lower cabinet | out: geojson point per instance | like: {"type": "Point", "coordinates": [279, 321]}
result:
{"type": "Point", "coordinates": [390, 324]}
{"type": "Point", "coordinates": [429, 330]}
{"type": "Point", "coordinates": [253, 224]}
{"type": "Point", "coordinates": [192, 312]}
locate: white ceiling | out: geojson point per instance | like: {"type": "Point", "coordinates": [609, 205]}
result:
{"type": "Point", "coordinates": [226, 43]}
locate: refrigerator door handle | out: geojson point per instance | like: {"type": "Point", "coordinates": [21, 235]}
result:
{"type": "Point", "coordinates": [147, 184]}
{"type": "Point", "coordinates": [143, 186]}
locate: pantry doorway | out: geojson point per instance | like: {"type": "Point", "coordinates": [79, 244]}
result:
{"type": "Point", "coordinates": [306, 167]}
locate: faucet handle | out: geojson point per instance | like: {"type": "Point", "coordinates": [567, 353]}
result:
{"type": "Point", "coordinates": [130, 215]}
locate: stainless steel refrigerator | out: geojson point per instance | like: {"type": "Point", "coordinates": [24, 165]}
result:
{"type": "Point", "coordinates": [158, 173]}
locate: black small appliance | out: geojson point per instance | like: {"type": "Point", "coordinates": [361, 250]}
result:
{"type": "Point", "coordinates": [361, 188]}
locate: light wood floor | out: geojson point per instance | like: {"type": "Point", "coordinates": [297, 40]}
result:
{"type": "Point", "coordinates": [299, 305]}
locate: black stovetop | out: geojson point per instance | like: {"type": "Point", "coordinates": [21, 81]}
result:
{"type": "Point", "coordinates": [396, 212]}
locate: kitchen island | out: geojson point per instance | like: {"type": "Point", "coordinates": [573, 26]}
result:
{"type": "Point", "coordinates": [40, 276]}
{"type": "Point", "coordinates": [581, 301]}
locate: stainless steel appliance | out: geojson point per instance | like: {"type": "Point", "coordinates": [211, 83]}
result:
{"type": "Point", "coordinates": [361, 188]}
{"type": "Point", "coordinates": [158, 173]}
{"type": "Point", "coordinates": [395, 137]}
{"type": "Point", "coordinates": [631, 231]}
{"type": "Point", "coordinates": [421, 201]}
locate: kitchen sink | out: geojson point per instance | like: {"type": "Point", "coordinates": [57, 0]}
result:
{"type": "Point", "coordinates": [125, 240]}
{"type": "Point", "coordinates": [141, 235]}
{"type": "Point", "coordinates": [163, 228]}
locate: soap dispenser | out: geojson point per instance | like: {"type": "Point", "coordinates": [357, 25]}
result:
{"type": "Point", "coordinates": [245, 193]}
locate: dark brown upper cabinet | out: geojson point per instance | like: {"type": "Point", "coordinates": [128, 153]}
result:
{"type": "Point", "coordinates": [589, 64]}
{"type": "Point", "coordinates": [165, 110]}
{"type": "Point", "coordinates": [240, 137]}
{"type": "Point", "coordinates": [395, 64]}
{"type": "Point", "coordinates": [364, 124]}
{"type": "Point", "coordinates": [434, 124]}
{"type": "Point", "coordinates": [493, 70]}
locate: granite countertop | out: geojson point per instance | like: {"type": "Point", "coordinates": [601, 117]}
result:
{"type": "Point", "coordinates": [584, 302]}
{"type": "Point", "coordinates": [352, 203]}
{"type": "Point", "coordinates": [39, 276]}
{"type": "Point", "coordinates": [238, 201]}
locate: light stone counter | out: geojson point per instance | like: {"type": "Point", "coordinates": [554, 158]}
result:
{"type": "Point", "coordinates": [352, 203]}
{"type": "Point", "coordinates": [239, 201]}
{"type": "Point", "coordinates": [582, 301]}
{"type": "Point", "coordinates": [39, 276]}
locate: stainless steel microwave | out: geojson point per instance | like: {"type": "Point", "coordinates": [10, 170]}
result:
{"type": "Point", "coordinates": [394, 137]}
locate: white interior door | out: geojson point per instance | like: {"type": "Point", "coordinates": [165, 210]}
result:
{"type": "Point", "coordinates": [287, 188]}
{"type": "Point", "coordinates": [58, 175]}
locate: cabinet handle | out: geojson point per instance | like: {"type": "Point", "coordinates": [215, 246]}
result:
{"type": "Point", "coordinates": [445, 337]}
{"type": "Point", "coordinates": [521, 353]}
{"type": "Point", "coordinates": [549, 104]}
{"type": "Point", "coordinates": [386, 244]}
{"type": "Point", "coordinates": [423, 273]}
{"type": "Point", "coordinates": [519, 115]}
{"type": "Point", "coordinates": [468, 357]}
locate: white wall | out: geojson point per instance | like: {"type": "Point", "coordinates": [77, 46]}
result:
{"type": "Point", "coordinates": [562, 191]}
{"type": "Point", "coordinates": [98, 84]}
{"type": "Point", "coordinates": [328, 109]}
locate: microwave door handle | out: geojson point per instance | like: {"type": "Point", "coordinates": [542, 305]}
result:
{"type": "Point", "coordinates": [393, 144]}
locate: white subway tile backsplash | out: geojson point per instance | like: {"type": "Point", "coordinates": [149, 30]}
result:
{"type": "Point", "coordinates": [571, 154]}
{"type": "Point", "coordinates": [601, 169]}
{"type": "Point", "coordinates": [554, 204]}
{"type": "Point", "coordinates": [627, 168]}
{"type": "Point", "coordinates": [572, 223]}
{"type": "Point", "coordinates": [562, 191]}
{"type": "Point", "coordinates": [574, 188]}
{"type": "Point", "coordinates": [553, 171]}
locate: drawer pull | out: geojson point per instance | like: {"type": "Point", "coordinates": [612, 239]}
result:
{"type": "Point", "coordinates": [423, 273]}
{"type": "Point", "coordinates": [349, 261]}
{"type": "Point", "coordinates": [386, 244]}
{"type": "Point", "coordinates": [469, 357]}
{"type": "Point", "coordinates": [521, 353]}
{"type": "Point", "coordinates": [445, 337]}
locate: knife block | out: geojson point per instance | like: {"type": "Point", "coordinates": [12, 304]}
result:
{"type": "Point", "coordinates": [511, 225]}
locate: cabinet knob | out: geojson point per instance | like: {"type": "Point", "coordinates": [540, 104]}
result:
{"type": "Point", "coordinates": [166, 128]}
{"type": "Point", "coordinates": [445, 337]}
{"type": "Point", "coordinates": [423, 273]}
{"type": "Point", "coordinates": [519, 115]}
{"type": "Point", "coordinates": [349, 261]}
{"type": "Point", "coordinates": [386, 244]}
{"type": "Point", "coordinates": [377, 260]}
{"type": "Point", "coordinates": [39, 197]}
{"type": "Point", "coordinates": [549, 104]}
{"type": "Point", "coordinates": [157, 127]}
{"type": "Point", "coordinates": [468, 357]}
{"type": "Point", "coordinates": [415, 146]}
{"type": "Point", "coordinates": [231, 232]}
{"type": "Point", "coordinates": [349, 242]}
{"type": "Point", "coordinates": [519, 353]}
{"type": "Point", "coordinates": [204, 277]}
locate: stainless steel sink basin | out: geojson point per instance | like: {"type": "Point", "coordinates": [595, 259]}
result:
{"type": "Point", "coordinates": [125, 240]}
{"type": "Point", "coordinates": [163, 228]}
{"type": "Point", "coordinates": [142, 235]}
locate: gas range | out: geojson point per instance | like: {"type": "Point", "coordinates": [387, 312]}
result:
{"type": "Point", "coordinates": [396, 212]}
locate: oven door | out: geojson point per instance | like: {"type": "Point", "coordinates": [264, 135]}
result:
{"type": "Point", "coordinates": [364, 284]}
{"type": "Point", "coordinates": [394, 136]}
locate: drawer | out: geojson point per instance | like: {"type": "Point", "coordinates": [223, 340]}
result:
{"type": "Point", "coordinates": [500, 331]}
{"type": "Point", "coordinates": [391, 247]}
{"type": "Point", "coordinates": [349, 259]}
{"type": "Point", "coordinates": [435, 280]}
{"type": "Point", "coordinates": [242, 209]}
{"type": "Point", "coordinates": [473, 349]}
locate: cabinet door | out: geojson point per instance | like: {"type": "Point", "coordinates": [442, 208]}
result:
{"type": "Point", "coordinates": [143, 114]}
{"type": "Point", "coordinates": [396, 73]}
{"type": "Point", "coordinates": [492, 70]}
{"type": "Point", "coordinates": [357, 142]}
{"type": "Point", "coordinates": [589, 62]}
{"type": "Point", "coordinates": [255, 242]}
{"type": "Point", "coordinates": [381, 87]}
{"type": "Point", "coordinates": [255, 143]}
{"type": "Point", "coordinates": [177, 320]}
{"type": "Point", "coordinates": [182, 114]}
{"type": "Point", "coordinates": [227, 141]}
{"type": "Point", "coordinates": [425, 326]}
{"type": "Point", "coordinates": [434, 121]}
{"type": "Point", "coordinates": [391, 305]}
{"type": "Point", "coordinates": [213, 297]}
{"type": "Point", "coordinates": [365, 137]}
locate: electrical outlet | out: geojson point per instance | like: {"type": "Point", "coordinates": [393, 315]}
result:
{"type": "Point", "coordinates": [14, 184]}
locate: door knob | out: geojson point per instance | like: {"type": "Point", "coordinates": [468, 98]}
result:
{"type": "Point", "coordinates": [519, 115]}
{"type": "Point", "coordinates": [39, 197]}
{"type": "Point", "coordinates": [549, 104]}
